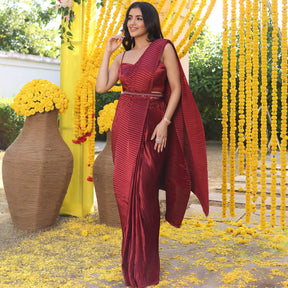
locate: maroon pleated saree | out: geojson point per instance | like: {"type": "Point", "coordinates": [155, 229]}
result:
{"type": "Point", "coordinates": [140, 171]}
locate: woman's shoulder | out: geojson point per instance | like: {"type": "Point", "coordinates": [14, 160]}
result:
{"type": "Point", "coordinates": [118, 58]}
{"type": "Point", "coordinates": [165, 42]}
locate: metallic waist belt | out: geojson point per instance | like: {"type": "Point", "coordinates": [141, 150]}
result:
{"type": "Point", "coordinates": [151, 95]}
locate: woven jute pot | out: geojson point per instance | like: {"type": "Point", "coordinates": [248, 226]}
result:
{"type": "Point", "coordinates": [37, 169]}
{"type": "Point", "coordinates": [103, 183]}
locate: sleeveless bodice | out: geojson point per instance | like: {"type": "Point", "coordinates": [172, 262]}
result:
{"type": "Point", "coordinates": [158, 79]}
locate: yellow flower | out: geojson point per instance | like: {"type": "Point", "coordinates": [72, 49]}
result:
{"type": "Point", "coordinates": [38, 96]}
{"type": "Point", "coordinates": [106, 116]}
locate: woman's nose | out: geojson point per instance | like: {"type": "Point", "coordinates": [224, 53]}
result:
{"type": "Point", "coordinates": [132, 21]}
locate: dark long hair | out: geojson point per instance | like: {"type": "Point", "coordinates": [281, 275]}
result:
{"type": "Point", "coordinates": [151, 22]}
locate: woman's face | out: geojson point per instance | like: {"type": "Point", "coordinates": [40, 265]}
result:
{"type": "Point", "coordinates": [135, 23]}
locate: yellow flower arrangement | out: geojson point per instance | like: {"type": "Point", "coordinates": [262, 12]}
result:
{"type": "Point", "coordinates": [106, 117]}
{"type": "Point", "coordinates": [39, 96]}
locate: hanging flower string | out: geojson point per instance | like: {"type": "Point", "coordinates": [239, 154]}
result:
{"type": "Point", "coordinates": [198, 30]}
{"type": "Point", "coordinates": [255, 93]}
{"type": "Point", "coordinates": [184, 22]}
{"type": "Point", "coordinates": [248, 108]}
{"type": "Point", "coordinates": [274, 111]}
{"type": "Point", "coordinates": [263, 114]}
{"type": "Point", "coordinates": [192, 25]}
{"type": "Point", "coordinates": [241, 105]}
{"type": "Point", "coordinates": [233, 92]}
{"type": "Point", "coordinates": [174, 19]}
{"type": "Point", "coordinates": [224, 109]}
{"type": "Point", "coordinates": [283, 187]}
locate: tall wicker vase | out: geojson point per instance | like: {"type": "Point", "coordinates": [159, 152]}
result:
{"type": "Point", "coordinates": [103, 182]}
{"type": "Point", "coordinates": [37, 169]}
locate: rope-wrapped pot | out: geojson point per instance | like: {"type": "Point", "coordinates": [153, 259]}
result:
{"type": "Point", "coordinates": [103, 183]}
{"type": "Point", "coordinates": [37, 169]}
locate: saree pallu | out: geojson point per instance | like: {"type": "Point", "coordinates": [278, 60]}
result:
{"type": "Point", "coordinates": [140, 171]}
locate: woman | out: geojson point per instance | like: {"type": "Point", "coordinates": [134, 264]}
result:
{"type": "Point", "coordinates": [157, 140]}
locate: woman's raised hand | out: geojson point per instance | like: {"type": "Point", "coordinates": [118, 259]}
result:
{"type": "Point", "coordinates": [113, 43]}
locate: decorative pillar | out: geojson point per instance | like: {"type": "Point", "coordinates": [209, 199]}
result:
{"type": "Point", "coordinates": [80, 197]}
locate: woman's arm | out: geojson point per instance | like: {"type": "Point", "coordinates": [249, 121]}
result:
{"type": "Point", "coordinates": [173, 74]}
{"type": "Point", "coordinates": [107, 78]}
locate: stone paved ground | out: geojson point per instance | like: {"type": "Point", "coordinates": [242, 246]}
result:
{"type": "Point", "coordinates": [10, 237]}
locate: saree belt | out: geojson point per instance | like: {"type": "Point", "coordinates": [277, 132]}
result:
{"type": "Point", "coordinates": [157, 95]}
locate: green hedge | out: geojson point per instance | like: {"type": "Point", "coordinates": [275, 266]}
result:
{"type": "Point", "coordinates": [10, 124]}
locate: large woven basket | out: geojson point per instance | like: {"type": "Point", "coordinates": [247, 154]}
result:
{"type": "Point", "coordinates": [37, 169]}
{"type": "Point", "coordinates": [103, 182]}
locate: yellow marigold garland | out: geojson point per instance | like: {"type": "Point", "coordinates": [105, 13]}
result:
{"type": "Point", "coordinates": [255, 93]}
{"type": "Point", "coordinates": [198, 30]}
{"type": "Point", "coordinates": [185, 20]}
{"type": "Point", "coordinates": [39, 96]}
{"type": "Point", "coordinates": [175, 18]}
{"type": "Point", "coordinates": [160, 5]}
{"type": "Point", "coordinates": [97, 32]}
{"type": "Point", "coordinates": [88, 10]}
{"type": "Point", "coordinates": [248, 108]}
{"type": "Point", "coordinates": [241, 121]}
{"type": "Point", "coordinates": [169, 13]}
{"type": "Point", "coordinates": [192, 25]}
{"type": "Point", "coordinates": [274, 111]}
{"type": "Point", "coordinates": [263, 113]}
{"type": "Point", "coordinates": [233, 93]}
{"type": "Point", "coordinates": [283, 187]}
{"type": "Point", "coordinates": [224, 109]}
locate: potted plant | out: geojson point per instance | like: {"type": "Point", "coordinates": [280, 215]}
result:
{"type": "Point", "coordinates": [38, 165]}
{"type": "Point", "coordinates": [103, 171]}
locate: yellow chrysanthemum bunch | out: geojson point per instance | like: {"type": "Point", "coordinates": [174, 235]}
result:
{"type": "Point", "coordinates": [40, 96]}
{"type": "Point", "coordinates": [106, 117]}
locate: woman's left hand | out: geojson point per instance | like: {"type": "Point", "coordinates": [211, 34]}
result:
{"type": "Point", "coordinates": [160, 136]}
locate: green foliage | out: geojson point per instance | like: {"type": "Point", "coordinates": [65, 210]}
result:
{"type": "Point", "coordinates": [24, 28]}
{"type": "Point", "coordinates": [10, 125]}
{"type": "Point", "coordinates": [205, 78]}
{"type": "Point", "coordinates": [101, 101]}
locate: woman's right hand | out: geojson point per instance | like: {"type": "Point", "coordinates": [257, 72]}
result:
{"type": "Point", "coordinates": [113, 43]}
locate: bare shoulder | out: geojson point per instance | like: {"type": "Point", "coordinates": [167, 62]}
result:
{"type": "Point", "coordinates": [118, 58]}
{"type": "Point", "coordinates": [168, 53]}
{"type": "Point", "coordinates": [168, 48]}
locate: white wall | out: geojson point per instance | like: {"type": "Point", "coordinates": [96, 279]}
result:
{"type": "Point", "coordinates": [18, 69]}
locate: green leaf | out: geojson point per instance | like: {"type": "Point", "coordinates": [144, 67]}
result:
{"type": "Point", "coordinates": [69, 33]}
